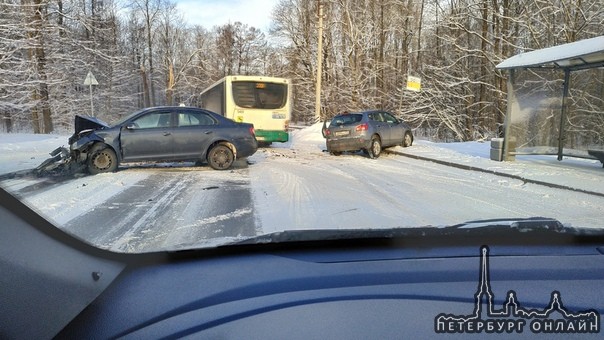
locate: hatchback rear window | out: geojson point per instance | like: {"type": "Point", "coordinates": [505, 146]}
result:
{"type": "Point", "coordinates": [346, 119]}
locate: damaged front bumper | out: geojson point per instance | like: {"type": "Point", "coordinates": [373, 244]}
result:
{"type": "Point", "coordinates": [65, 161]}
{"type": "Point", "coordinates": [60, 160]}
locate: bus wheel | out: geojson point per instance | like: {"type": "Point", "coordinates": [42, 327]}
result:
{"type": "Point", "coordinates": [221, 157]}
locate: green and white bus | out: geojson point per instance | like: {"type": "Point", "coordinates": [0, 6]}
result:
{"type": "Point", "coordinates": [262, 101]}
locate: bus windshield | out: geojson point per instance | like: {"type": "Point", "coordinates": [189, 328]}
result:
{"type": "Point", "coordinates": [259, 95]}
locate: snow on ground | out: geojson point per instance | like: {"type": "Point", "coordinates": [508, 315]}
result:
{"type": "Point", "coordinates": [579, 173]}
{"type": "Point", "coordinates": [20, 151]}
{"type": "Point", "coordinates": [296, 186]}
{"type": "Point", "coordinates": [82, 195]}
{"type": "Point", "coordinates": [586, 173]}
{"type": "Point", "coordinates": [26, 151]}
{"type": "Point", "coordinates": [302, 187]}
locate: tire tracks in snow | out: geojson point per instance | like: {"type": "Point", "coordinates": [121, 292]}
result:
{"type": "Point", "coordinates": [162, 198]}
{"type": "Point", "coordinates": [170, 210]}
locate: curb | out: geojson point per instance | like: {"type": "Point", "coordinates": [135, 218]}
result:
{"type": "Point", "coordinates": [497, 173]}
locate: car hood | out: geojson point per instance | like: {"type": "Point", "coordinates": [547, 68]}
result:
{"type": "Point", "coordinates": [88, 123]}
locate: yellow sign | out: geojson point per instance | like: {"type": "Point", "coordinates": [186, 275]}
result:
{"type": "Point", "coordinates": [414, 83]}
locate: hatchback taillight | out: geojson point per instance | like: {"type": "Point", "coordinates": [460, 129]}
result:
{"type": "Point", "coordinates": [362, 127]}
{"type": "Point", "coordinates": [252, 131]}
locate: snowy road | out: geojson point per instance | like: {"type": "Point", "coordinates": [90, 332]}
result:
{"type": "Point", "coordinates": [149, 208]}
{"type": "Point", "coordinates": [297, 186]}
{"type": "Point", "coordinates": [352, 191]}
{"type": "Point", "coordinates": [173, 207]}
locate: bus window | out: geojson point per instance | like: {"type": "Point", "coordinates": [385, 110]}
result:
{"type": "Point", "coordinates": [259, 95]}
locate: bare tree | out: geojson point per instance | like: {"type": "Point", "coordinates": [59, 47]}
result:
{"type": "Point", "coordinates": [369, 50]}
{"type": "Point", "coordinates": [150, 12]}
{"type": "Point", "coordinates": [37, 26]}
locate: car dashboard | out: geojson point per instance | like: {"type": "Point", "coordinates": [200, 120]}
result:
{"type": "Point", "coordinates": [524, 285]}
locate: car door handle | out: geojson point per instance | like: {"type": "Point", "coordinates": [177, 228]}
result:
{"type": "Point", "coordinates": [208, 132]}
{"type": "Point", "coordinates": [167, 133]}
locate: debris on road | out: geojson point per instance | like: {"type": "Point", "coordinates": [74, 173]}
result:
{"type": "Point", "coordinates": [59, 163]}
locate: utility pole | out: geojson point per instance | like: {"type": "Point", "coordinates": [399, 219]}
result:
{"type": "Point", "coordinates": [319, 65]}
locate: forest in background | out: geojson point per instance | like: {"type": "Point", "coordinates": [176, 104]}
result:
{"type": "Point", "coordinates": [143, 54]}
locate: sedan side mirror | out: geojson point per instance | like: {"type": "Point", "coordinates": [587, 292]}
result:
{"type": "Point", "coordinates": [131, 126]}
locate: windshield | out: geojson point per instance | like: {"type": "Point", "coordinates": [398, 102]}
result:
{"type": "Point", "coordinates": [451, 134]}
{"type": "Point", "coordinates": [259, 95]}
{"type": "Point", "coordinates": [120, 121]}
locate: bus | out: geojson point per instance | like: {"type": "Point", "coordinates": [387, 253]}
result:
{"type": "Point", "coordinates": [262, 101]}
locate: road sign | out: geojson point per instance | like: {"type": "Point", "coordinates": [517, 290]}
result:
{"type": "Point", "coordinates": [414, 83]}
{"type": "Point", "coordinates": [90, 79]}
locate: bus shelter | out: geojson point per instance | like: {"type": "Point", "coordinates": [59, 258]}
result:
{"type": "Point", "coordinates": [556, 101]}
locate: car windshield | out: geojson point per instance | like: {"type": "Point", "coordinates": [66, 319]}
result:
{"type": "Point", "coordinates": [475, 111]}
{"type": "Point", "coordinates": [124, 118]}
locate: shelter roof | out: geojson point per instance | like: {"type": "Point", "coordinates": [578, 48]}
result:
{"type": "Point", "coordinates": [582, 54]}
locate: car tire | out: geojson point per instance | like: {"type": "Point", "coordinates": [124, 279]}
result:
{"type": "Point", "coordinates": [375, 147]}
{"type": "Point", "coordinates": [101, 158]}
{"type": "Point", "coordinates": [407, 140]}
{"type": "Point", "coordinates": [220, 157]}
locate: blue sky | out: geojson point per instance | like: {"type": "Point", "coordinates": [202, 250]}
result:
{"type": "Point", "coordinates": [210, 13]}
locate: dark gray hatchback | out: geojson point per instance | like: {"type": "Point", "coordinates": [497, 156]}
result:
{"type": "Point", "coordinates": [161, 134]}
{"type": "Point", "coordinates": [369, 131]}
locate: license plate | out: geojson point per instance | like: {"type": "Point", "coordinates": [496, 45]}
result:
{"type": "Point", "coordinates": [341, 133]}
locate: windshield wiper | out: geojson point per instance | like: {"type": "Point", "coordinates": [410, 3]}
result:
{"type": "Point", "coordinates": [525, 224]}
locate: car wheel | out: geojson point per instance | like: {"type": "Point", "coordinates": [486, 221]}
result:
{"type": "Point", "coordinates": [101, 159]}
{"type": "Point", "coordinates": [407, 140]}
{"type": "Point", "coordinates": [221, 157]}
{"type": "Point", "coordinates": [375, 148]}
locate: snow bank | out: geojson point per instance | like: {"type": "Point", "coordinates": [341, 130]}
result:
{"type": "Point", "coordinates": [21, 151]}
{"type": "Point", "coordinates": [578, 173]}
